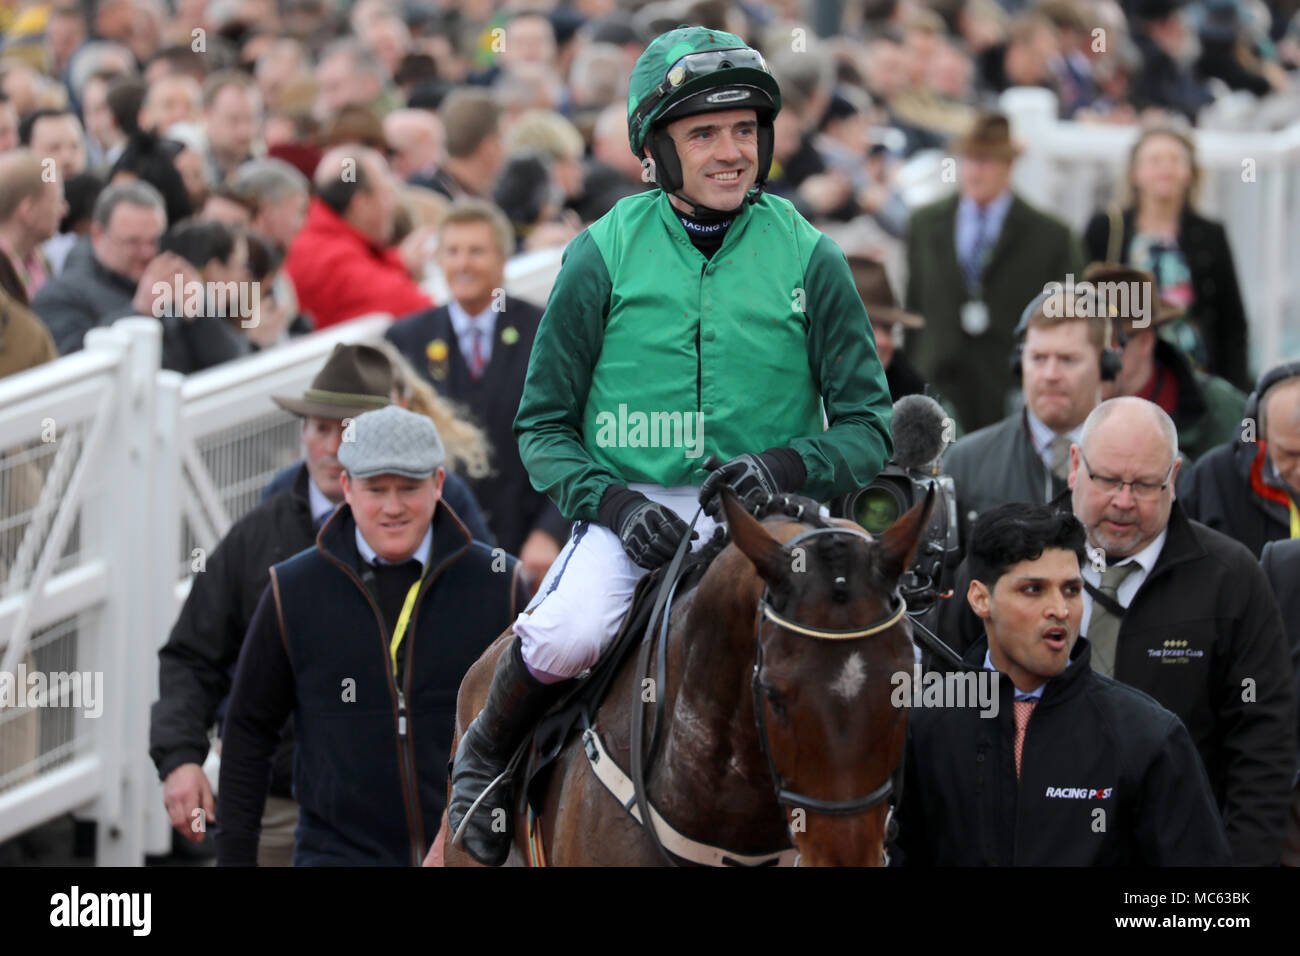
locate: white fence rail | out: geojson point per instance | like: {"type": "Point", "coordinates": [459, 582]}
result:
{"type": "Point", "coordinates": [112, 473]}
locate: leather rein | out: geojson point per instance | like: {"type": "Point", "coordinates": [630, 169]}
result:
{"type": "Point", "coordinates": [767, 615]}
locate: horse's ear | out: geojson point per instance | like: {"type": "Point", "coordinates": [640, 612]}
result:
{"type": "Point", "coordinates": [900, 540]}
{"type": "Point", "coordinates": [770, 559]}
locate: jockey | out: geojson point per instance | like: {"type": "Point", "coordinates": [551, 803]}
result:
{"type": "Point", "coordinates": [701, 318]}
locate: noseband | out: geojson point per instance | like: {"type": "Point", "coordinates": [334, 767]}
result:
{"type": "Point", "coordinates": [785, 796]}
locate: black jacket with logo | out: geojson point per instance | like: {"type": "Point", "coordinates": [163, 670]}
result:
{"type": "Point", "coordinates": [1204, 637]}
{"type": "Point", "coordinates": [1108, 778]}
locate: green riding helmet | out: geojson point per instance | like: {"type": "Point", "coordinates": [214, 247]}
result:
{"type": "Point", "coordinates": [694, 70]}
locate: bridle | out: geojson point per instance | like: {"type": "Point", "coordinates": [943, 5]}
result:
{"type": "Point", "coordinates": [767, 615]}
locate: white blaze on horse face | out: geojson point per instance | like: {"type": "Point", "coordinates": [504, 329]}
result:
{"type": "Point", "coordinates": [852, 676]}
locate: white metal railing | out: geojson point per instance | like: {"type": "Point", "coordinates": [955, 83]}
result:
{"type": "Point", "coordinates": [1250, 182]}
{"type": "Point", "coordinates": [112, 473]}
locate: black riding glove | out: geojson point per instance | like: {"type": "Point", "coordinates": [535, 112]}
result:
{"type": "Point", "coordinates": [754, 479]}
{"type": "Point", "coordinates": [650, 533]}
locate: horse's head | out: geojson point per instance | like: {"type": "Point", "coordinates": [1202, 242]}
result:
{"type": "Point", "coordinates": [831, 633]}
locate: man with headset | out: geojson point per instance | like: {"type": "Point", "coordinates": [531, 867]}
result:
{"type": "Point", "coordinates": [1249, 488]}
{"type": "Point", "coordinates": [1062, 357]}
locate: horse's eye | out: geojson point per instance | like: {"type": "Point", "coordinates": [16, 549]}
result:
{"type": "Point", "coordinates": [774, 698]}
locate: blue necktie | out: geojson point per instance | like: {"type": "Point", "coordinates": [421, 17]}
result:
{"type": "Point", "coordinates": [974, 264]}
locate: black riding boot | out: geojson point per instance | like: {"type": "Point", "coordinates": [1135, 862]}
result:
{"type": "Point", "coordinates": [515, 702]}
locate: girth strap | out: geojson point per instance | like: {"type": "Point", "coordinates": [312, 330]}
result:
{"type": "Point", "coordinates": [693, 851]}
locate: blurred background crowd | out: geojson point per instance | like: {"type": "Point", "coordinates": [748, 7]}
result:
{"type": "Point", "coordinates": [226, 109]}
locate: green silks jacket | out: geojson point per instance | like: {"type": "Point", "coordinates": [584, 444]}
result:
{"type": "Point", "coordinates": [651, 357]}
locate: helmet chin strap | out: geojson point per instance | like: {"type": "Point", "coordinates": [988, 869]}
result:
{"type": "Point", "coordinates": [704, 213]}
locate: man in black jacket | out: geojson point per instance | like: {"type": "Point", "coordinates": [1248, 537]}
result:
{"type": "Point", "coordinates": [196, 663]}
{"type": "Point", "coordinates": [1281, 564]}
{"type": "Point", "coordinates": [102, 273]}
{"type": "Point", "coordinates": [1249, 488]}
{"type": "Point", "coordinates": [475, 351]}
{"type": "Point", "coordinates": [365, 638]}
{"type": "Point", "coordinates": [1107, 778]}
{"type": "Point", "coordinates": [1183, 613]}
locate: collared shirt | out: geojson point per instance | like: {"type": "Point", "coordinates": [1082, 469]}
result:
{"type": "Point", "coordinates": [968, 224]}
{"type": "Point", "coordinates": [33, 271]}
{"type": "Point", "coordinates": [1145, 559]}
{"type": "Point", "coordinates": [321, 507]}
{"type": "Point", "coordinates": [421, 553]}
{"type": "Point", "coordinates": [1034, 694]}
{"type": "Point", "coordinates": [1042, 437]}
{"type": "Point", "coordinates": [467, 325]}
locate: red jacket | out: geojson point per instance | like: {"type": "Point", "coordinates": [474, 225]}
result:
{"type": "Point", "coordinates": [339, 274]}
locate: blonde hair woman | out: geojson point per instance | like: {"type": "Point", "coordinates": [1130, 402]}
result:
{"type": "Point", "coordinates": [1159, 230]}
{"type": "Point", "coordinates": [466, 445]}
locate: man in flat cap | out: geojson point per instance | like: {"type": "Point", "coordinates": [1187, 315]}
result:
{"type": "Point", "coordinates": [196, 663]}
{"type": "Point", "coordinates": [364, 639]}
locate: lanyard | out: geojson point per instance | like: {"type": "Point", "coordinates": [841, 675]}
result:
{"type": "Point", "coordinates": [403, 619]}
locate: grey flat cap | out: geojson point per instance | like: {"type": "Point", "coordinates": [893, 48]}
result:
{"type": "Point", "coordinates": [391, 441]}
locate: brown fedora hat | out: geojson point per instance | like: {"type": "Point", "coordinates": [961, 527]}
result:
{"type": "Point", "coordinates": [989, 137]}
{"type": "Point", "coordinates": [1113, 272]}
{"type": "Point", "coordinates": [878, 295]}
{"type": "Point", "coordinates": [356, 379]}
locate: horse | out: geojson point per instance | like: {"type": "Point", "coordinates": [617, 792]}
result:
{"type": "Point", "coordinates": [777, 721]}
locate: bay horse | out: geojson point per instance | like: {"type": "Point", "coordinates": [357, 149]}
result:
{"type": "Point", "coordinates": [777, 721]}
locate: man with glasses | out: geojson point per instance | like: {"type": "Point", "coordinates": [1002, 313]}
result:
{"type": "Point", "coordinates": [104, 272]}
{"type": "Point", "coordinates": [1186, 614]}
{"type": "Point", "coordinates": [1181, 612]}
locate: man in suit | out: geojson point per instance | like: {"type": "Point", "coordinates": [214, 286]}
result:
{"type": "Point", "coordinates": [974, 260]}
{"type": "Point", "coordinates": [1026, 456]}
{"type": "Point", "coordinates": [475, 351]}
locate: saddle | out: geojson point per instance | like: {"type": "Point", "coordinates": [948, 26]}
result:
{"type": "Point", "coordinates": [576, 712]}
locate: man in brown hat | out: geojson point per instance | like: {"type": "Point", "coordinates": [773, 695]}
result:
{"type": "Point", "coordinates": [197, 662]}
{"type": "Point", "coordinates": [888, 322]}
{"type": "Point", "coordinates": [974, 260]}
{"type": "Point", "coordinates": [1206, 409]}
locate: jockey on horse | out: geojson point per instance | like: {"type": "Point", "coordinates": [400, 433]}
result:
{"type": "Point", "coordinates": [704, 317]}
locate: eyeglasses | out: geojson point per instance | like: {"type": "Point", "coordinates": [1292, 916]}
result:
{"type": "Point", "coordinates": [1142, 490]}
{"type": "Point", "coordinates": [694, 65]}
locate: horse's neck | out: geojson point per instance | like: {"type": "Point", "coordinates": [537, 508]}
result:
{"type": "Point", "coordinates": [711, 754]}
